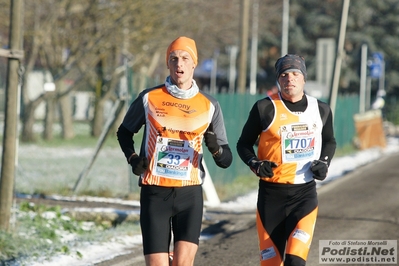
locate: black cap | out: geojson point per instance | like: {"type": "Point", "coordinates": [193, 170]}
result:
{"type": "Point", "coordinates": [290, 62]}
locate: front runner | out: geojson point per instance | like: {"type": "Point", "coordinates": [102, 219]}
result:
{"type": "Point", "coordinates": [177, 116]}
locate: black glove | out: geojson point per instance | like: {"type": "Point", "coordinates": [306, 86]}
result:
{"type": "Point", "coordinates": [139, 164]}
{"type": "Point", "coordinates": [319, 169]}
{"type": "Point", "coordinates": [211, 140]}
{"type": "Point", "coordinates": [262, 168]}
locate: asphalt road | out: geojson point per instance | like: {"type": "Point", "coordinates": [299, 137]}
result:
{"type": "Point", "coordinates": [362, 205]}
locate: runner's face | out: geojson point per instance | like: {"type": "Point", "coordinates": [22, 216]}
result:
{"type": "Point", "coordinates": [292, 84]}
{"type": "Point", "coordinates": [181, 68]}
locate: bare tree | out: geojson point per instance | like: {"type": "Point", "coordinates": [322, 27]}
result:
{"type": "Point", "coordinates": [89, 33]}
{"type": "Point", "coordinates": [73, 39]}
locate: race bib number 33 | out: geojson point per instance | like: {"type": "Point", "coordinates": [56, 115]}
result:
{"type": "Point", "coordinates": [173, 159]}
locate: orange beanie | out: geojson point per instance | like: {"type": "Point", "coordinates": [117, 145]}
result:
{"type": "Point", "coordinates": [185, 44]}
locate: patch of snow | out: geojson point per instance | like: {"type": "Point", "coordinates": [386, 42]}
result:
{"type": "Point", "coordinates": [93, 253]}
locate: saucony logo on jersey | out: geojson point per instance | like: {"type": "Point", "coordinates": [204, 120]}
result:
{"type": "Point", "coordinates": [178, 105]}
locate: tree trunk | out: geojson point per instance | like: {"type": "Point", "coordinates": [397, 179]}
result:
{"type": "Point", "coordinates": [28, 121]}
{"type": "Point", "coordinates": [98, 119]}
{"type": "Point", "coordinates": [66, 119]}
{"type": "Point", "coordinates": [49, 119]}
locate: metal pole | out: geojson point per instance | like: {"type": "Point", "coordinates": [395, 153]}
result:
{"type": "Point", "coordinates": [232, 69]}
{"type": "Point", "coordinates": [214, 72]}
{"type": "Point", "coordinates": [11, 117]}
{"type": "Point", "coordinates": [363, 79]}
{"type": "Point", "coordinates": [284, 35]}
{"type": "Point", "coordinates": [242, 75]}
{"type": "Point", "coordinates": [338, 60]}
{"type": "Point", "coordinates": [254, 47]}
{"type": "Point", "coordinates": [381, 81]}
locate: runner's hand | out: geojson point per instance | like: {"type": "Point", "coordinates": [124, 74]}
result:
{"type": "Point", "coordinates": [262, 168]}
{"type": "Point", "coordinates": [319, 169]}
{"type": "Point", "coordinates": [211, 140]}
{"type": "Point", "coordinates": [139, 164]}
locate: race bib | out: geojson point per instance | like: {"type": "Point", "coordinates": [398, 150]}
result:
{"type": "Point", "coordinates": [173, 158]}
{"type": "Point", "coordinates": [297, 142]}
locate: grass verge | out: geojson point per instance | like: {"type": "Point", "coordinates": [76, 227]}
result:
{"type": "Point", "coordinates": [40, 232]}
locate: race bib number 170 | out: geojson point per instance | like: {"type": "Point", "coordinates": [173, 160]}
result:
{"type": "Point", "coordinates": [298, 142]}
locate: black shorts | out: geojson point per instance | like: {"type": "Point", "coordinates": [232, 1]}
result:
{"type": "Point", "coordinates": [282, 206]}
{"type": "Point", "coordinates": [165, 210]}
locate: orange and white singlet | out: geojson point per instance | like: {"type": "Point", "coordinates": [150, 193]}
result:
{"type": "Point", "coordinates": [174, 130]}
{"type": "Point", "coordinates": [292, 141]}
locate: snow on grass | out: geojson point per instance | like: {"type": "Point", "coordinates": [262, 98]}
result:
{"type": "Point", "coordinates": [50, 237]}
{"type": "Point", "coordinates": [92, 253]}
{"type": "Point", "coordinates": [56, 170]}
